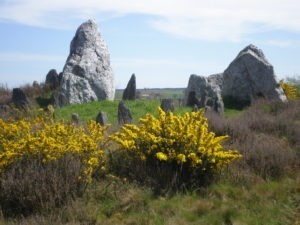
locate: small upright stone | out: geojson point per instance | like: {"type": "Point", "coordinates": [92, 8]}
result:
{"type": "Point", "coordinates": [51, 111]}
{"type": "Point", "coordinates": [52, 80]}
{"type": "Point", "coordinates": [167, 105]}
{"type": "Point", "coordinates": [75, 118]}
{"type": "Point", "coordinates": [130, 90]}
{"type": "Point", "coordinates": [19, 98]}
{"type": "Point", "coordinates": [102, 118]}
{"type": "Point", "coordinates": [124, 115]}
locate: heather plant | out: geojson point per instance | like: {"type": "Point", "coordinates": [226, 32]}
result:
{"type": "Point", "coordinates": [268, 136]}
{"type": "Point", "coordinates": [5, 94]}
{"type": "Point", "coordinates": [173, 151]}
{"type": "Point", "coordinates": [48, 160]}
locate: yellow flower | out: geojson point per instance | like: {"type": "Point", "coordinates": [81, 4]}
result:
{"type": "Point", "coordinates": [161, 156]}
{"type": "Point", "coordinates": [181, 158]}
{"type": "Point", "coordinates": [185, 140]}
{"type": "Point", "coordinates": [289, 90]}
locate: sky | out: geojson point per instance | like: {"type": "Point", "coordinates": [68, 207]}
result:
{"type": "Point", "coordinates": [162, 41]}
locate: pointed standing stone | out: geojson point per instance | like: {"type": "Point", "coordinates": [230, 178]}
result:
{"type": "Point", "coordinates": [167, 105]}
{"type": "Point", "coordinates": [102, 118]}
{"type": "Point", "coordinates": [124, 115]}
{"type": "Point", "coordinates": [87, 74]}
{"type": "Point", "coordinates": [130, 90]}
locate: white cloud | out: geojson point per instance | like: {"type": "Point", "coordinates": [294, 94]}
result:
{"type": "Point", "coordinates": [283, 43]}
{"type": "Point", "coordinates": [213, 20]}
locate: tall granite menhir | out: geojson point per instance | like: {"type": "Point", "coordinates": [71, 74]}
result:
{"type": "Point", "coordinates": [87, 75]}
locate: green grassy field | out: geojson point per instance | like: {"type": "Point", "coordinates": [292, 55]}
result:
{"type": "Point", "coordinates": [87, 111]}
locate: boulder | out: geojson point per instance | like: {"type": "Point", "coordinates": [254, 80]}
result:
{"type": "Point", "coordinates": [75, 118]}
{"type": "Point", "coordinates": [124, 115]}
{"type": "Point", "coordinates": [205, 92]}
{"type": "Point", "coordinates": [102, 118]}
{"type": "Point", "coordinates": [87, 75]}
{"type": "Point", "coordinates": [19, 98]}
{"type": "Point", "coordinates": [52, 79]}
{"type": "Point", "coordinates": [250, 76]}
{"type": "Point", "coordinates": [130, 90]}
{"type": "Point", "coordinates": [167, 104]}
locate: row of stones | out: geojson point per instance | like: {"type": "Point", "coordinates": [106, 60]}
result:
{"type": "Point", "coordinates": [124, 114]}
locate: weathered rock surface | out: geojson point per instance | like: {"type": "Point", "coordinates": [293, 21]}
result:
{"type": "Point", "coordinates": [52, 79]}
{"type": "Point", "coordinates": [19, 98]}
{"type": "Point", "coordinates": [130, 90]}
{"type": "Point", "coordinates": [102, 118]}
{"type": "Point", "coordinates": [124, 115]}
{"type": "Point", "coordinates": [205, 92]}
{"type": "Point", "coordinates": [167, 104]}
{"type": "Point", "coordinates": [87, 75]}
{"type": "Point", "coordinates": [250, 76]}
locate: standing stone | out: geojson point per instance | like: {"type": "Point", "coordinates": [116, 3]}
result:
{"type": "Point", "coordinates": [4, 108]}
{"type": "Point", "coordinates": [205, 92]}
{"type": "Point", "coordinates": [52, 79]}
{"type": "Point", "coordinates": [19, 98]}
{"type": "Point", "coordinates": [124, 115]}
{"type": "Point", "coordinates": [75, 118]}
{"type": "Point", "coordinates": [102, 118]}
{"type": "Point", "coordinates": [130, 90]}
{"type": "Point", "coordinates": [167, 104]}
{"type": "Point", "coordinates": [87, 75]}
{"type": "Point", "coordinates": [192, 99]}
{"type": "Point", "coordinates": [250, 76]}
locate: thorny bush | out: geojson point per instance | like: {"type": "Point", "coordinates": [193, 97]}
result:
{"type": "Point", "coordinates": [172, 151]}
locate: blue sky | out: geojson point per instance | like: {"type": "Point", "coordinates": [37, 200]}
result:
{"type": "Point", "coordinates": [161, 41]}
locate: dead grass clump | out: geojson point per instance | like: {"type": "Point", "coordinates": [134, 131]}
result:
{"type": "Point", "coordinates": [268, 136]}
{"type": "Point", "coordinates": [30, 186]}
{"type": "Point", "coordinates": [5, 95]}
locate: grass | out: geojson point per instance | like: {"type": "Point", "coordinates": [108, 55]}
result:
{"type": "Point", "coordinates": [116, 202]}
{"type": "Point", "coordinates": [87, 111]}
{"type": "Point", "coordinates": [231, 112]}
{"type": "Point", "coordinates": [90, 110]}
{"type": "Point", "coordinates": [138, 108]}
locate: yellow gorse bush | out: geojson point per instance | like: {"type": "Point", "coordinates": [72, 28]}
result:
{"type": "Point", "coordinates": [184, 140]}
{"type": "Point", "coordinates": [48, 140]}
{"type": "Point", "coordinates": [289, 90]}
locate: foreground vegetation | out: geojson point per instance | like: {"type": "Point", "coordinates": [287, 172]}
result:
{"type": "Point", "coordinates": [153, 172]}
